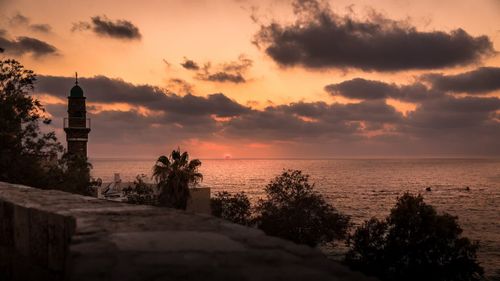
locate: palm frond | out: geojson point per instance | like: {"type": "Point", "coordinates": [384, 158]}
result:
{"type": "Point", "coordinates": [176, 155]}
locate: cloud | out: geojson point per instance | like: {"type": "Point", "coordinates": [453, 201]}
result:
{"type": "Point", "coordinates": [224, 77]}
{"type": "Point", "coordinates": [306, 121]}
{"type": "Point", "coordinates": [319, 39]}
{"type": "Point", "coordinates": [190, 64]}
{"type": "Point", "coordinates": [232, 72]}
{"type": "Point", "coordinates": [119, 29]}
{"type": "Point", "coordinates": [178, 85]}
{"type": "Point", "coordinates": [479, 81]}
{"type": "Point", "coordinates": [102, 89]}
{"type": "Point", "coordinates": [21, 20]}
{"type": "Point", "coordinates": [482, 80]}
{"type": "Point", "coordinates": [464, 125]}
{"type": "Point", "coordinates": [43, 28]}
{"type": "Point", "coordinates": [359, 88]}
{"type": "Point", "coordinates": [135, 129]}
{"type": "Point", "coordinates": [441, 123]}
{"type": "Point", "coordinates": [24, 45]}
{"type": "Point", "coordinates": [154, 115]}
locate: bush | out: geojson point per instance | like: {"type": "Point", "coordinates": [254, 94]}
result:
{"type": "Point", "coordinates": [141, 192]}
{"type": "Point", "coordinates": [414, 243]}
{"type": "Point", "coordinates": [235, 208]}
{"type": "Point", "coordinates": [294, 211]}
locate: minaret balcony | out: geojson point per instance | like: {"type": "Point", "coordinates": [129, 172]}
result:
{"type": "Point", "coordinates": [77, 123]}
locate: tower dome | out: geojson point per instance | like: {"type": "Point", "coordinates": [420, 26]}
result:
{"type": "Point", "coordinates": [76, 91]}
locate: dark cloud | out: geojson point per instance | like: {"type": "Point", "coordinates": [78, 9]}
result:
{"type": "Point", "coordinates": [102, 89]}
{"type": "Point", "coordinates": [190, 64]}
{"type": "Point", "coordinates": [232, 72]}
{"type": "Point", "coordinates": [171, 117]}
{"type": "Point", "coordinates": [119, 29]}
{"type": "Point", "coordinates": [466, 125]}
{"type": "Point", "coordinates": [311, 110]}
{"type": "Point", "coordinates": [439, 124]}
{"type": "Point", "coordinates": [482, 80]}
{"type": "Point", "coordinates": [363, 89]}
{"type": "Point", "coordinates": [26, 45]}
{"type": "Point", "coordinates": [302, 120]}
{"type": "Point", "coordinates": [224, 77]}
{"type": "Point", "coordinates": [21, 20]}
{"type": "Point", "coordinates": [35, 46]}
{"type": "Point", "coordinates": [360, 88]}
{"type": "Point", "coordinates": [366, 111]}
{"type": "Point", "coordinates": [321, 39]}
{"type": "Point", "coordinates": [478, 81]}
{"type": "Point", "coordinates": [133, 128]}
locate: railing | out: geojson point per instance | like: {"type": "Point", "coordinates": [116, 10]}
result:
{"type": "Point", "coordinates": [77, 123]}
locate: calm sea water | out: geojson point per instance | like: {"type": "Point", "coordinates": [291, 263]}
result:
{"type": "Point", "coordinates": [366, 188]}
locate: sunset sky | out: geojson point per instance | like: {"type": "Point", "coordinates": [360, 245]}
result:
{"type": "Point", "coordinates": [268, 79]}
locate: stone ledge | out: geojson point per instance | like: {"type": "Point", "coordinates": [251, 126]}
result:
{"type": "Point", "coordinates": [53, 235]}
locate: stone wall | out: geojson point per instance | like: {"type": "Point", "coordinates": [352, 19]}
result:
{"type": "Point", "coordinates": [53, 235]}
{"type": "Point", "coordinates": [199, 201]}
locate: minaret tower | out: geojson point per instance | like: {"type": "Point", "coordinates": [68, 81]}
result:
{"type": "Point", "coordinates": [77, 125]}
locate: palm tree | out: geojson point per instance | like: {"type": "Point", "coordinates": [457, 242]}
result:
{"type": "Point", "coordinates": [173, 176]}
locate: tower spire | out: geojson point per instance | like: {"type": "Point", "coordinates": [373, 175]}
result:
{"type": "Point", "coordinates": [76, 78]}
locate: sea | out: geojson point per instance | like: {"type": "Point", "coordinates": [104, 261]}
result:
{"type": "Point", "coordinates": [365, 188]}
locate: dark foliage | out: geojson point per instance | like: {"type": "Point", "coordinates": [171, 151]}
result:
{"type": "Point", "coordinates": [414, 243]}
{"type": "Point", "coordinates": [141, 192]}
{"type": "Point", "coordinates": [28, 155]}
{"type": "Point", "coordinates": [294, 211]}
{"type": "Point", "coordinates": [174, 175]}
{"type": "Point", "coordinates": [235, 208]}
{"type": "Point", "coordinates": [72, 174]}
{"type": "Point", "coordinates": [25, 152]}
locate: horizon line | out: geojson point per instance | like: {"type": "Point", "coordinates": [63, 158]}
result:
{"type": "Point", "coordinates": [458, 157]}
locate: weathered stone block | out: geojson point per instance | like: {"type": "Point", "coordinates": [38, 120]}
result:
{"type": "Point", "coordinates": [5, 263]}
{"type": "Point", "coordinates": [58, 241]}
{"type": "Point", "coordinates": [22, 230]}
{"type": "Point", "coordinates": [38, 237]}
{"type": "Point", "coordinates": [7, 230]}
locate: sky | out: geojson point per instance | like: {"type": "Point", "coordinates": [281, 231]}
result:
{"type": "Point", "coordinates": [268, 79]}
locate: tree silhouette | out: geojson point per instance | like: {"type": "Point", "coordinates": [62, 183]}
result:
{"type": "Point", "coordinates": [25, 152]}
{"type": "Point", "coordinates": [414, 243]}
{"type": "Point", "coordinates": [173, 176]}
{"type": "Point", "coordinates": [294, 211]}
